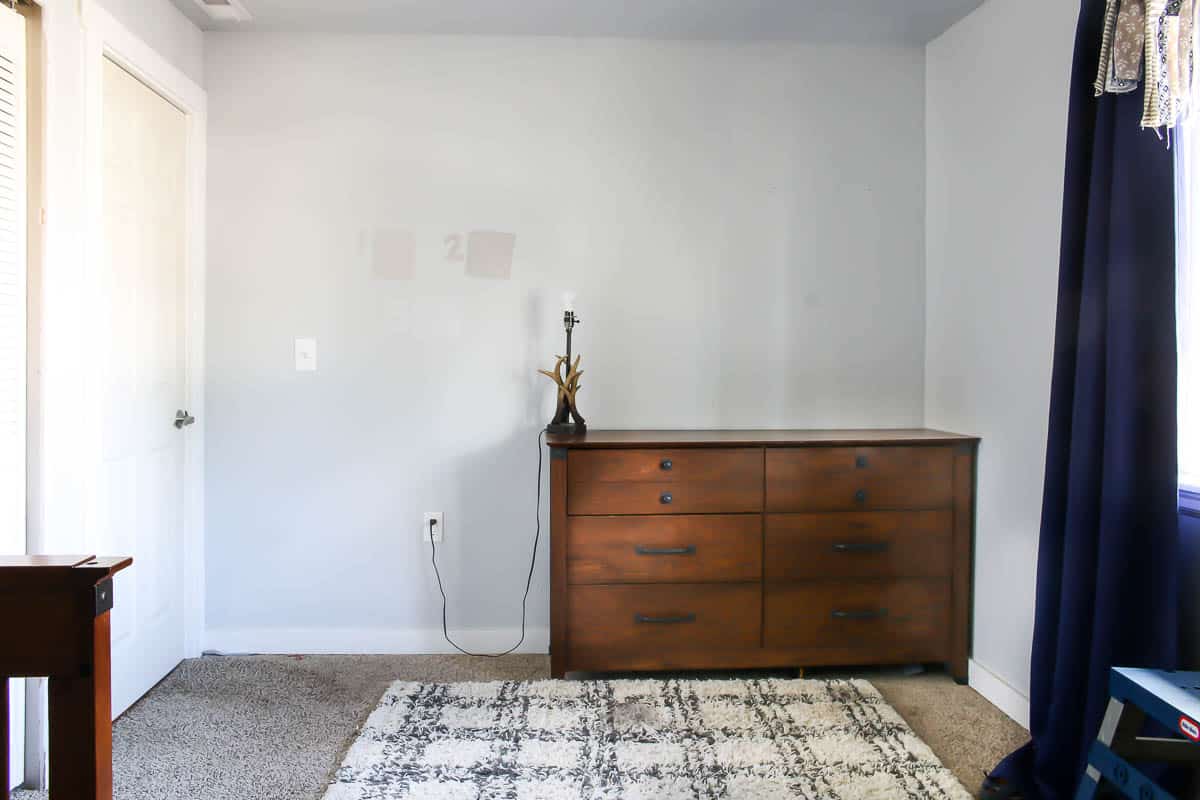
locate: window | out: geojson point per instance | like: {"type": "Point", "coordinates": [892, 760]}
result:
{"type": "Point", "coordinates": [1188, 306]}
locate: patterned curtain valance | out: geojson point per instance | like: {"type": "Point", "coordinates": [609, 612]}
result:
{"type": "Point", "coordinates": [1150, 43]}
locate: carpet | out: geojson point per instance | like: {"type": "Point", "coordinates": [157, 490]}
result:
{"type": "Point", "coordinates": [765, 739]}
{"type": "Point", "coordinates": [277, 727]}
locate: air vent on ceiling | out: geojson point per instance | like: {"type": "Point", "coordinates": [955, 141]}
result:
{"type": "Point", "coordinates": [225, 10]}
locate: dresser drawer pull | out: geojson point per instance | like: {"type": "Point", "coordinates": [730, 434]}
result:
{"type": "Point", "coordinates": [861, 547]}
{"type": "Point", "coordinates": [860, 462]}
{"type": "Point", "coordinates": [683, 619]}
{"type": "Point", "coordinates": [642, 550]}
{"type": "Point", "coordinates": [666, 498]}
{"type": "Point", "coordinates": [860, 496]}
{"type": "Point", "coordinates": [877, 614]}
{"type": "Point", "coordinates": [666, 464]}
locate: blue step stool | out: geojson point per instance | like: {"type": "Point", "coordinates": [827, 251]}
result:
{"type": "Point", "coordinates": [1170, 698]}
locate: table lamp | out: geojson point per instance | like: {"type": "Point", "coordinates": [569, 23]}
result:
{"type": "Point", "coordinates": [567, 419]}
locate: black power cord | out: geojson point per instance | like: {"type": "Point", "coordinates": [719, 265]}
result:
{"type": "Point", "coordinates": [537, 513]}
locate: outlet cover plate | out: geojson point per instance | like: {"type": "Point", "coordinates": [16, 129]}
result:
{"type": "Point", "coordinates": [439, 530]}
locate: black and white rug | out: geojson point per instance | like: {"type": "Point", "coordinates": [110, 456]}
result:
{"type": "Point", "coordinates": [639, 740]}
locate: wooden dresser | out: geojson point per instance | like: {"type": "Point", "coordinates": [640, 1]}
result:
{"type": "Point", "coordinates": [739, 549]}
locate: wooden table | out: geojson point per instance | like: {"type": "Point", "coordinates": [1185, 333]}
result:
{"type": "Point", "coordinates": [55, 611]}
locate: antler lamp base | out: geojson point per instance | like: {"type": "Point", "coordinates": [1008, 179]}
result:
{"type": "Point", "coordinates": [566, 374]}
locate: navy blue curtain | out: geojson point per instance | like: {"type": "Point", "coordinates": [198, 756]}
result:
{"type": "Point", "coordinates": [1107, 582]}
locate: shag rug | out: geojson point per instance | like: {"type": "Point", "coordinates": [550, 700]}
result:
{"type": "Point", "coordinates": [639, 740]}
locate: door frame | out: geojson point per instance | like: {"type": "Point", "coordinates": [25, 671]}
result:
{"type": "Point", "coordinates": [107, 38]}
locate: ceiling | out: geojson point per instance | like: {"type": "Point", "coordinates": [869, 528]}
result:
{"type": "Point", "coordinates": [853, 21]}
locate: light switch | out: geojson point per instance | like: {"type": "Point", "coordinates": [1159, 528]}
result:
{"type": "Point", "coordinates": [306, 355]}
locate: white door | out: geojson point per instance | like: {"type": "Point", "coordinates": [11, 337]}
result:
{"type": "Point", "coordinates": [142, 377]}
{"type": "Point", "coordinates": [12, 336]}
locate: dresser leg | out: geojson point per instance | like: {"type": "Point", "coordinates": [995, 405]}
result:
{"type": "Point", "coordinates": [558, 667]}
{"type": "Point", "coordinates": [958, 671]}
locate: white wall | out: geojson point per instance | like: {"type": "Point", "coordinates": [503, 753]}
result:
{"type": "Point", "coordinates": [996, 127]}
{"type": "Point", "coordinates": [743, 223]}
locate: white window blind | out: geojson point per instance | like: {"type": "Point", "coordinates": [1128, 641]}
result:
{"type": "Point", "coordinates": [12, 282]}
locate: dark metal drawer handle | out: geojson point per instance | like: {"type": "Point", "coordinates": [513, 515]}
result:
{"type": "Point", "coordinates": [666, 498]}
{"type": "Point", "coordinates": [642, 619]}
{"type": "Point", "coordinates": [860, 462]}
{"type": "Point", "coordinates": [878, 614]}
{"type": "Point", "coordinates": [666, 464]}
{"type": "Point", "coordinates": [860, 496]}
{"type": "Point", "coordinates": [861, 547]}
{"type": "Point", "coordinates": [642, 550]}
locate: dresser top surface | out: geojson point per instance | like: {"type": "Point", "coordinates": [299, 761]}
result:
{"type": "Point", "coordinates": [756, 438]}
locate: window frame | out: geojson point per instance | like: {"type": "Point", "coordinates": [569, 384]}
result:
{"type": "Point", "coordinates": [1187, 210]}
{"type": "Point", "coordinates": [1189, 501]}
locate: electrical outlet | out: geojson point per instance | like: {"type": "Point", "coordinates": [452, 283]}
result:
{"type": "Point", "coordinates": [439, 527]}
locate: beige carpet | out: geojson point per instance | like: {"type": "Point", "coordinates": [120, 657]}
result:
{"type": "Point", "coordinates": [967, 733]}
{"type": "Point", "coordinates": [275, 727]}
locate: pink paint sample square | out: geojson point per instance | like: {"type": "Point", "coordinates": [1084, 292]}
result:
{"type": "Point", "coordinates": [490, 254]}
{"type": "Point", "coordinates": [393, 255]}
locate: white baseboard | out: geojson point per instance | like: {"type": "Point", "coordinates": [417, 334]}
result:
{"type": "Point", "coordinates": [999, 692]}
{"type": "Point", "coordinates": [370, 641]}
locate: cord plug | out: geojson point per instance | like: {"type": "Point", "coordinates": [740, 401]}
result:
{"type": "Point", "coordinates": [433, 527]}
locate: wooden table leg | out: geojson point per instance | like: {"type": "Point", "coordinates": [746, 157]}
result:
{"type": "Point", "coordinates": [81, 726]}
{"type": "Point", "coordinates": [4, 744]}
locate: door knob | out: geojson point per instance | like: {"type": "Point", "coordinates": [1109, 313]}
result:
{"type": "Point", "coordinates": [183, 418]}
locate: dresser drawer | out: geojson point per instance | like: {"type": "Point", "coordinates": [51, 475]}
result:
{"type": "Point", "coordinates": [912, 614]}
{"type": "Point", "coordinates": [675, 616]}
{"type": "Point", "coordinates": [664, 549]}
{"type": "Point", "coordinates": [876, 544]}
{"type": "Point", "coordinates": [664, 481]}
{"type": "Point", "coordinates": [856, 478]}
{"type": "Point", "coordinates": [705, 465]}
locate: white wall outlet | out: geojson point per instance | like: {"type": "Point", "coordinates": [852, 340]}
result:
{"type": "Point", "coordinates": [439, 527]}
{"type": "Point", "coordinates": [306, 355]}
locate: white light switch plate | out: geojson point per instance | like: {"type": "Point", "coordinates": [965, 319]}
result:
{"type": "Point", "coordinates": [306, 355]}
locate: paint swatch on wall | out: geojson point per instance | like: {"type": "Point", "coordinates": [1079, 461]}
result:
{"type": "Point", "coordinates": [490, 254]}
{"type": "Point", "coordinates": [393, 254]}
